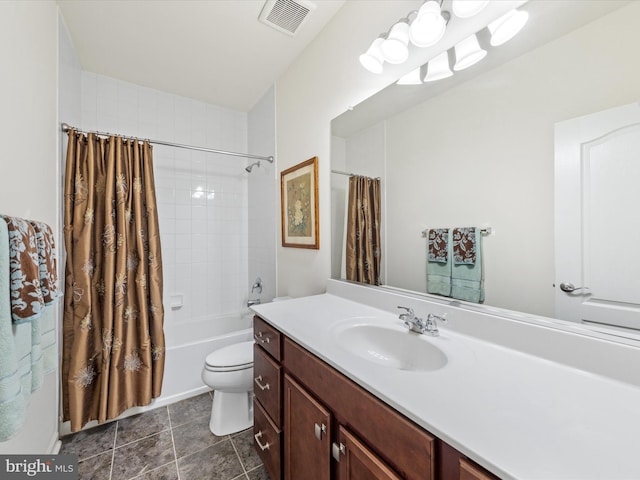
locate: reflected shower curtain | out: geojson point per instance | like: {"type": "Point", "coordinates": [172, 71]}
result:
{"type": "Point", "coordinates": [363, 231]}
{"type": "Point", "coordinates": [113, 339]}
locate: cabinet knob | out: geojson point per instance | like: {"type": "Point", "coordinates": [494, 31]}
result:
{"type": "Point", "coordinates": [320, 430]}
{"type": "Point", "coordinates": [257, 437]}
{"type": "Point", "coordinates": [257, 381]}
{"type": "Point", "coordinates": [338, 449]}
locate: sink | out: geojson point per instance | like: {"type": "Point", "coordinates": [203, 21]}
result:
{"type": "Point", "coordinates": [391, 347]}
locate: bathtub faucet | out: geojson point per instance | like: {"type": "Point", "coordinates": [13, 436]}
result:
{"type": "Point", "coordinates": [257, 285]}
{"type": "Point", "coordinates": [250, 303]}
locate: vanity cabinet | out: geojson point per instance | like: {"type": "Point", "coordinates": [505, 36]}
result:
{"type": "Point", "coordinates": [267, 403]}
{"type": "Point", "coordinates": [325, 426]}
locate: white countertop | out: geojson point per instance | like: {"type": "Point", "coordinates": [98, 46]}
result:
{"type": "Point", "coordinates": [519, 415]}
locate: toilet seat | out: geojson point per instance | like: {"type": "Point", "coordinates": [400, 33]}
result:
{"type": "Point", "coordinates": [231, 358]}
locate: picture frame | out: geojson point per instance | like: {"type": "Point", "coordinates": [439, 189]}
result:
{"type": "Point", "coordinates": [299, 205]}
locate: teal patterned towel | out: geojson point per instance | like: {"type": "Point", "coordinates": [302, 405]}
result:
{"type": "Point", "coordinates": [439, 262]}
{"type": "Point", "coordinates": [27, 350]}
{"type": "Point", "coordinates": [12, 400]}
{"type": "Point", "coordinates": [467, 279]}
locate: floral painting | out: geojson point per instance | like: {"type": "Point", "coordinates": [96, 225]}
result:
{"type": "Point", "coordinates": [299, 192]}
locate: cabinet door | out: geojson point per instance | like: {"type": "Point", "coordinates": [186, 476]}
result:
{"type": "Point", "coordinates": [357, 462]}
{"type": "Point", "coordinates": [307, 435]}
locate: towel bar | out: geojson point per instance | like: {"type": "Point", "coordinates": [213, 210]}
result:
{"type": "Point", "coordinates": [483, 231]}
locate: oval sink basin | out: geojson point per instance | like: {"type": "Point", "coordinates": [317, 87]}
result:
{"type": "Point", "coordinates": [391, 348]}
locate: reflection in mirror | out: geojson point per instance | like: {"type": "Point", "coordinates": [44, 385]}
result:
{"type": "Point", "coordinates": [479, 150]}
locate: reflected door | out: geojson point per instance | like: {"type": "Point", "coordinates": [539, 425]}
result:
{"type": "Point", "coordinates": [597, 218]}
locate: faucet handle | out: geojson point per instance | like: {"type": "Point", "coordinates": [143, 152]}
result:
{"type": "Point", "coordinates": [434, 317]}
{"type": "Point", "coordinates": [409, 314]}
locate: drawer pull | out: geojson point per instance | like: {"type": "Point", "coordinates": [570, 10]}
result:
{"type": "Point", "coordinates": [320, 430]}
{"type": "Point", "coordinates": [338, 449]}
{"type": "Point", "coordinates": [261, 337]}
{"type": "Point", "coordinates": [257, 381]}
{"type": "Point", "coordinates": [257, 437]}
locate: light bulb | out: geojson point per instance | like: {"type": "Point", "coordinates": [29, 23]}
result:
{"type": "Point", "coordinates": [395, 48]}
{"type": "Point", "coordinates": [506, 27]}
{"type": "Point", "coordinates": [468, 52]}
{"type": "Point", "coordinates": [429, 25]}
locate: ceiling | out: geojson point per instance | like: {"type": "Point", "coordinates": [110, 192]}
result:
{"type": "Point", "coordinates": [216, 51]}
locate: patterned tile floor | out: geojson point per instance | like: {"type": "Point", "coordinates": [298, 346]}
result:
{"type": "Point", "coordinates": [168, 443]}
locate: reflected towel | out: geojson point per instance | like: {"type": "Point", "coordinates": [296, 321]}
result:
{"type": "Point", "coordinates": [438, 245]}
{"type": "Point", "coordinates": [467, 280]}
{"type": "Point", "coordinates": [26, 296]}
{"type": "Point", "coordinates": [438, 264]}
{"type": "Point", "coordinates": [464, 246]}
{"type": "Point", "coordinates": [47, 262]}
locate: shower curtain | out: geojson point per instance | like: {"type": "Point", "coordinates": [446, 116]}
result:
{"type": "Point", "coordinates": [363, 231]}
{"type": "Point", "coordinates": [113, 340]}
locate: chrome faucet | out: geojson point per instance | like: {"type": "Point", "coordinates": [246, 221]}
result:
{"type": "Point", "coordinates": [253, 302]}
{"type": "Point", "coordinates": [415, 324]}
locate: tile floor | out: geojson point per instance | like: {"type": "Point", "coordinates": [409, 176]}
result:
{"type": "Point", "coordinates": [168, 443]}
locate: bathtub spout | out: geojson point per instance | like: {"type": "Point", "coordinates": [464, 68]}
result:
{"type": "Point", "coordinates": [253, 302]}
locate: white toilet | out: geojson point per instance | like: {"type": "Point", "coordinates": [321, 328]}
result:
{"type": "Point", "coordinates": [229, 372]}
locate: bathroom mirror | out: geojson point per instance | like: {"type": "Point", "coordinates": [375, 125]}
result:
{"type": "Point", "coordinates": [477, 149]}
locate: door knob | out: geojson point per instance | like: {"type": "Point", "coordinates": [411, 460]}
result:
{"type": "Point", "coordinates": [570, 287]}
{"type": "Point", "coordinates": [320, 430]}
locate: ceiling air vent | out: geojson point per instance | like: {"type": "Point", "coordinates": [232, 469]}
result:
{"type": "Point", "coordinates": [286, 16]}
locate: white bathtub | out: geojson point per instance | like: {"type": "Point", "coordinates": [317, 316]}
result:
{"type": "Point", "coordinates": [188, 344]}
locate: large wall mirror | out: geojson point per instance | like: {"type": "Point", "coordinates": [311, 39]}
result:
{"type": "Point", "coordinates": [478, 149]}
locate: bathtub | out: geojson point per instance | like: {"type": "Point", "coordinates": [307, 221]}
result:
{"type": "Point", "coordinates": [188, 344]}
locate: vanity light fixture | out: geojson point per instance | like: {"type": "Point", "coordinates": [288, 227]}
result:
{"type": "Point", "coordinates": [429, 25]}
{"type": "Point", "coordinates": [438, 68]}
{"type": "Point", "coordinates": [506, 27]}
{"type": "Point", "coordinates": [468, 52]}
{"type": "Point", "coordinates": [468, 8]}
{"type": "Point", "coordinates": [411, 78]}
{"type": "Point", "coordinates": [373, 59]}
{"type": "Point", "coordinates": [395, 48]}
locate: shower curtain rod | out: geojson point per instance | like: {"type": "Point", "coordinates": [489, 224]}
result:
{"type": "Point", "coordinates": [351, 174]}
{"type": "Point", "coordinates": [66, 128]}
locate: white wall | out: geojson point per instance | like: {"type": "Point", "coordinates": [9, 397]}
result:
{"type": "Point", "coordinates": [321, 84]}
{"type": "Point", "coordinates": [262, 198]}
{"type": "Point", "coordinates": [29, 134]}
{"type": "Point", "coordinates": [483, 154]}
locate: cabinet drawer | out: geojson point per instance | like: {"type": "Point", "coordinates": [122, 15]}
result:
{"type": "Point", "coordinates": [267, 442]}
{"type": "Point", "coordinates": [267, 382]}
{"type": "Point", "coordinates": [407, 448]}
{"type": "Point", "coordinates": [470, 471]}
{"type": "Point", "coordinates": [267, 337]}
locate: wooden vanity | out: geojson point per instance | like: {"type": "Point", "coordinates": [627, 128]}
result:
{"type": "Point", "coordinates": [311, 422]}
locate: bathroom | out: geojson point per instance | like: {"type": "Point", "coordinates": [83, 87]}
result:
{"type": "Point", "coordinates": [291, 120]}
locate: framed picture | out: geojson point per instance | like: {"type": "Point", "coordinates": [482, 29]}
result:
{"type": "Point", "coordinates": [299, 200]}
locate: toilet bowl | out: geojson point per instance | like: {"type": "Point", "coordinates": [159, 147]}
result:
{"type": "Point", "coordinates": [229, 372]}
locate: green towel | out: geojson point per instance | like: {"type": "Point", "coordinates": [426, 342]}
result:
{"type": "Point", "coordinates": [467, 281]}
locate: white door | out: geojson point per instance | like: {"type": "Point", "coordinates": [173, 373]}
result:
{"type": "Point", "coordinates": [597, 218]}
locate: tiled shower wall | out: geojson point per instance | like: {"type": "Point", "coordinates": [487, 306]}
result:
{"type": "Point", "coordinates": [202, 197]}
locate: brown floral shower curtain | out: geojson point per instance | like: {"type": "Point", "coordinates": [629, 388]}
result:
{"type": "Point", "coordinates": [363, 231]}
{"type": "Point", "coordinates": [113, 340]}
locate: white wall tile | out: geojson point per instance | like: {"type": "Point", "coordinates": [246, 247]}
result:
{"type": "Point", "coordinates": [205, 256]}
